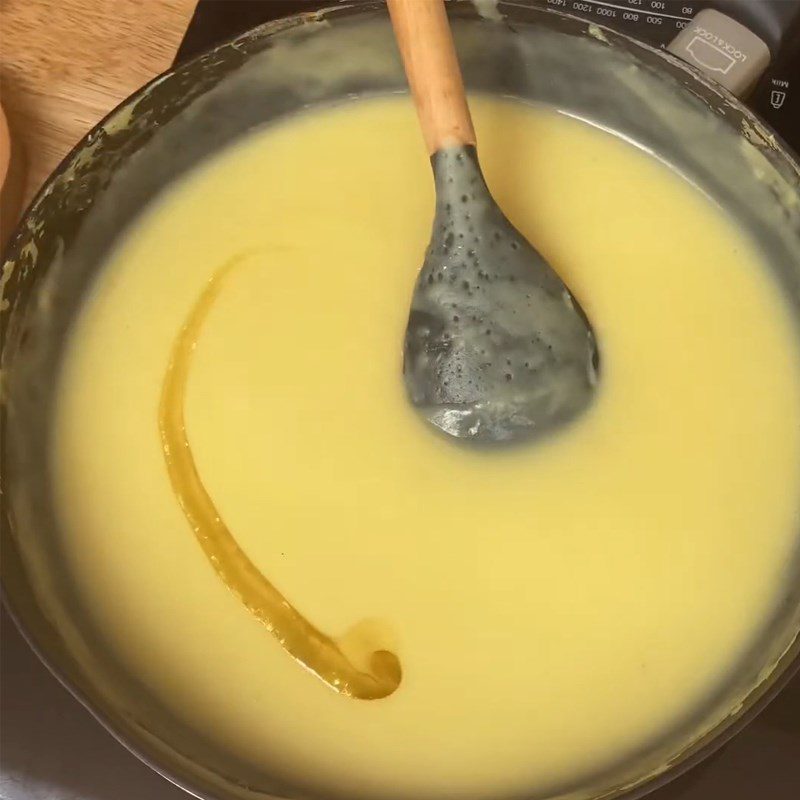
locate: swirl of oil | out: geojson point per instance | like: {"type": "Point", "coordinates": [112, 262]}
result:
{"type": "Point", "coordinates": [311, 648]}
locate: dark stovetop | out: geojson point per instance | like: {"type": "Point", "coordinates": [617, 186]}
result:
{"type": "Point", "coordinates": [51, 748]}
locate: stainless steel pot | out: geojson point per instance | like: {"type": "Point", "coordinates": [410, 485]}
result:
{"type": "Point", "coordinates": [183, 116]}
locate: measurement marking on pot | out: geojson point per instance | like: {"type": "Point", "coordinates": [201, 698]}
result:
{"type": "Point", "coordinates": [638, 9]}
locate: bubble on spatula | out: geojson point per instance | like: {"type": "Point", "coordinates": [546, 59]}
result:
{"type": "Point", "coordinates": [496, 347]}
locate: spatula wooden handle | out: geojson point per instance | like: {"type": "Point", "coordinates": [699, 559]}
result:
{"type": "Point", "coordinates": [429, 56]}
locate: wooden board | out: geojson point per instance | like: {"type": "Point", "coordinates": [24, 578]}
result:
{"type": "Point", "coordinates": [64, 64]}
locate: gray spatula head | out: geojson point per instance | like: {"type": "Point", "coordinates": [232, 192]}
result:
{"type": "Point", "coordinates": [496, 348]}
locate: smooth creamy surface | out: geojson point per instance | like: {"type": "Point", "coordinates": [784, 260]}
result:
{"type": "Point", "coordinates": [554, 607]}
